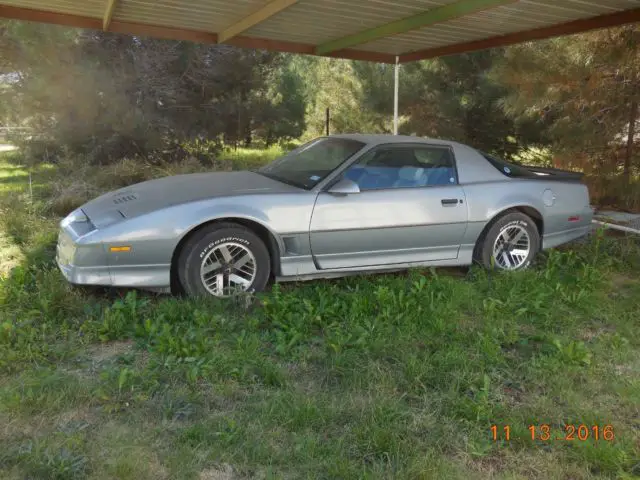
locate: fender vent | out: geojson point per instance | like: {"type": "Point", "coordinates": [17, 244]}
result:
{"type": "Point", "coordinates": [291, 245]}
{"type": "Point", "coordinates": [124, 199]}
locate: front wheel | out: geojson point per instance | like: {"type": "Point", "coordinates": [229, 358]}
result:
{"type": "Point", "coordinates": [224, 259]}
{"type": "Point", "coordinates": [511, 243]}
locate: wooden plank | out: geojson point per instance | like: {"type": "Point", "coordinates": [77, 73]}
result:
{"type": "Point", "coordinates": [259, 16]}
{"type": "Point", "coordinates": [430, 17]}
{"type": "Point", "coordinates": [108, 14]}
{"type": "Point", "coordinates": [568, 28]}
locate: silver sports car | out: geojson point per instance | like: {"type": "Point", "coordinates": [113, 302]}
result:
{"type": "Point", "coordinates": [337, 205]}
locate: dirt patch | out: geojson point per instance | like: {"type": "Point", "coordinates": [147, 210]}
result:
{"type": "Point", "coordinates": [20, 427]}
{"type": "Point", "coordinates": [70, 420]}
{"type": "Point", "coordinates": [221, 472]}
{"type": "Point", "coordinates": [76, 419]}
{"type": "Point", "coordinates": [628, 370]}
{"type": "Point", "coordinates": [619, 280]}
{"type": "Point", "coordinates": [108, 351]}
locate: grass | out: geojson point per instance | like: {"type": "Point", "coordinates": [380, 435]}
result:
{"type": "Point", "coordinates": [252, 158]}
{"type": "Point", "coordinates": [388, 376]}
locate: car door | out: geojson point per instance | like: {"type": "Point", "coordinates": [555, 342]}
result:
{"type": "Point", "coordinates": [410, 208]}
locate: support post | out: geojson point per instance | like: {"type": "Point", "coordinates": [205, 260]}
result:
{"type": "Point", "coordinates": [396, 82]}
{"type": "Point", "coordinates": [327, 119]}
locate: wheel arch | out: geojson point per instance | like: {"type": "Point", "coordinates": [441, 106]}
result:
{"type": "Point", "coordinates": [533, 213]}
{"type": "Point", "coordinates": [264, 233]}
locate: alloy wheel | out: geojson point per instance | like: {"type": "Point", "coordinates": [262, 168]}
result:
{"type": "Point", "coordinates": [512, 247]}
{"type": "Point", "coordinates": [227, 269]}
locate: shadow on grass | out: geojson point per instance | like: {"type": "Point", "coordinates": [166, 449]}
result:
{"type": "Point", "coordinates": [13, 180]}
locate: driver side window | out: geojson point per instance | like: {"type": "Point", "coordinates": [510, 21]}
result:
{"type": "Point", "coordinates": [403, 166]}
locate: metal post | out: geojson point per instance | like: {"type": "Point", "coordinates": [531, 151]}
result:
{"type": "Point", "coordinates": [327, 119]}
{"type": "Point", "coordinates": [395, 95]}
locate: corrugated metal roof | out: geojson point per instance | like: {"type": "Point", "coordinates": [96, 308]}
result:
{"type": "Point", "coordinates": [305, 24]}
{"type": "Point", "coordinates": [318, 21]}
{"type": "Point", "coordinates": [202, 15]}
{"type": "Point", "coordinates": [523, 15]}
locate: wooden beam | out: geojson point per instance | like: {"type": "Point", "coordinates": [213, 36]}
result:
{"type": "Point", "coordinates": [43, 16]}
{"type": "Point", "coordinates": [167, 33]}
{"type": "Point", "coordinates": [108, 14]}
{"type": "Point", "coordinates": [170, 33]}
{"type": "Point", "coordinates": [267, 11]}
{"type": "Point", "coordinates": [425, 19]}
{"type": "Point", "coordinates": [308, 49]}
{"type": "Point", "coordinates": [569, 28]}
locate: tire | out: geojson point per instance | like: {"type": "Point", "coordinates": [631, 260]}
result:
{"type": "Point", "coordinates": [513, 226]}
{"type": "Point", "coordinates": [226, 251]}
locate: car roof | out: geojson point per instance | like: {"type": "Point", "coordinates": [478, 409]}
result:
{"type": "Point", "coordinates": [379, 139]}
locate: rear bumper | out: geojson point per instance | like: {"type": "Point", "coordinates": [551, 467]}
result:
{"type": "Point", "coordinates": [556, 239]}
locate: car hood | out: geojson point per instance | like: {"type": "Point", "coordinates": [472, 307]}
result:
{"type": "Point", "coordinates": [160, 193]}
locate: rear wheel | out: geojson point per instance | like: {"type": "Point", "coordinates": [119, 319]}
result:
{"type": "Point", "coordinates": [511, 243]}
{"type": "Point", "coordinates": [224, 259]}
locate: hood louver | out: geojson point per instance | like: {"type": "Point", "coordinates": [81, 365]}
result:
{"type": "Point", "coordinates": [124, 199]}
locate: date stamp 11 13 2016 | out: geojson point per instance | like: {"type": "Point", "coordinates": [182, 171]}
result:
{"type": "Point", "coordinates": [548, 433]}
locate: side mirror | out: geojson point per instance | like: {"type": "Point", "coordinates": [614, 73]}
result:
{"type": "Point", "coordinates": [344, 187]}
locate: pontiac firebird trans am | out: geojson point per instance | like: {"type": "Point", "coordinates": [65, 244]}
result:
{"type": "Point", "coordinates": [337, 205]}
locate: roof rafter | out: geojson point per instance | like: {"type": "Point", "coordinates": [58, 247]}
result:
{"type": "Point", "coordinates": [430, 17]}
{"type": "Point", "coordinates": [273, 44]}
{"type": "Point", "coordinates": [265, 12]}
{"type": "Point", "coordinates": [173, 33]}
{"type": "Point", "coordinates": [568, 28]}
{"type": "Point", "coordinates": [108, 14]}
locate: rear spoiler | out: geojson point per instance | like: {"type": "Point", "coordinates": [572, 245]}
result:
{"type": "Point", "coordinates": [555, 172]}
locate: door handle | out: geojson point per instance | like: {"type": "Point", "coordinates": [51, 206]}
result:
{"type": "Point", "coordinates": [449, 201]}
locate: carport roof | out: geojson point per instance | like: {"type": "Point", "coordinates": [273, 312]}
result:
{"type": "Point", "coordinates": [375, 30]}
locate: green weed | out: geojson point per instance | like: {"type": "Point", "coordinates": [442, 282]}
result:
{"type": "Point", "coordinates": [386, 376]}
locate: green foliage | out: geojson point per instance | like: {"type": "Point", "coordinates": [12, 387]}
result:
{"type": "Point", "coordinates": [55, 460]}
{"type": "Point", "coordinates": [106, 96]}
{"type": "Point", "coordinates": [385, 376]}
{"type": "Point", "coordinates": [456, 98]}
{"type": "Point", "coordinates": [567, 102]}
{"type": "Point", "coordinates": [120, 319]}
{"type": "Point", "coordinates": [582, 90]}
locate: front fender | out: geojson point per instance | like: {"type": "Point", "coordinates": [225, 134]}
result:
{"type": "Point", "coordinates": [154, 236]}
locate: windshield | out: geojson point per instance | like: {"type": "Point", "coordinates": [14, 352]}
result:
{"type": "Point", "coordinates": [311, 163]}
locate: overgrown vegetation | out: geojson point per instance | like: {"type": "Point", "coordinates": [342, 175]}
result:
{"type": "Point", "coordinates": [388, 376]}
{"type": "Point", "coordinates": [105, 96]}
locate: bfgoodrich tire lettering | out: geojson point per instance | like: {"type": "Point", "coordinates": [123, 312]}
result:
{"type": "Point", "coordinates": [515, 241]}
{"type": "Point", "coordinates": [222, 258]}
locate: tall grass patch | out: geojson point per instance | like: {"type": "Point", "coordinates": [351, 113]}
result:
{"type": "Point", "coordinates": [380, 376]}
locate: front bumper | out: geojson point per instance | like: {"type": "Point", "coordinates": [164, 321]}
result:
{"type": "Point", "coordinates": [85, 275]}
{"type": "Point", "coordinates": [66, 253]}
{"type": "Point", "coordinates": [87, 264]}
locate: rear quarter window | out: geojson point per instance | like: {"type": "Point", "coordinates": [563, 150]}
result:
{"type": "Point", "coordinates": [508, 169]}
